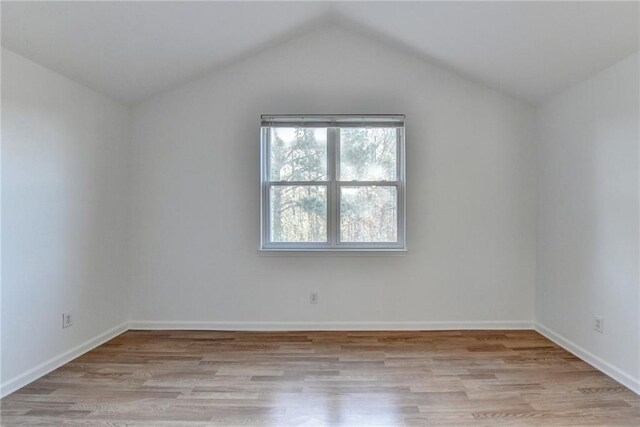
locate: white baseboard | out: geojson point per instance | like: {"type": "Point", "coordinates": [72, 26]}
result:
{"type": "Point", "coordinates": [327, 326]}
{"type": "Point", "coordinates": [607, 368]}
{"type": "Point", "coordinates": [33, 374]}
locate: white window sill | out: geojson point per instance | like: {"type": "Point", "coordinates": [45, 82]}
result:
{"type": "Point", "coordinates": [332, 252]}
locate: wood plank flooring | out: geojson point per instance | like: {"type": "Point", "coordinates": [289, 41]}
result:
{"type": "Point", "coordinates": [203, 378]}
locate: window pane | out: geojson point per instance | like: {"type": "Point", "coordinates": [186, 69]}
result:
{"type": "Point", "coordinates": [368, 214]}
{"type": "Point", "coordinates": [368, 154]}
{"type": "Point", "coordinates": [299, 213]}
{"type": "Point", "coordinates": [298, 154]}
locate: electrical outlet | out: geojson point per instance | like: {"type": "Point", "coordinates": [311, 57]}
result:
{"type": "Point", "coordinates": [598, 324]}
{"type": "Point", "coordinates": [67, 320]}
{"type": "Point", "coordinates": [313, 298]}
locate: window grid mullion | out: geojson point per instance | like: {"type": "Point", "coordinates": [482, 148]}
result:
{"type": "Point", "coordinates": [265, 199]}
{"type": "Point", "coordinates": [336, 187]}
{"type": "Point", "coordinates": [369, 183]}
{"type": "Point", "coordinates": [296, 183]}
{"type": "Point", "coordinates": [332, 220]}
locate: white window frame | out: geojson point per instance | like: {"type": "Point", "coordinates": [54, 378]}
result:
{"type": "Point", "coordinates": [333, 123]}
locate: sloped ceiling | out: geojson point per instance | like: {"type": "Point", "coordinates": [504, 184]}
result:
{"type": "Point", "coordinates": [133, 50]}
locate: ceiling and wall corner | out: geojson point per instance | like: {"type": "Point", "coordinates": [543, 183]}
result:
{"type": "Point", "coordinates": [133, 50]}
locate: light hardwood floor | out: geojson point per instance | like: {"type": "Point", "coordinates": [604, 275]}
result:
{"type": "Point", "coordinates": [198, 378]}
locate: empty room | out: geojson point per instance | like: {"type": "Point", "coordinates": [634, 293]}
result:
{"type": "Point", "coordinates": [305, 213]}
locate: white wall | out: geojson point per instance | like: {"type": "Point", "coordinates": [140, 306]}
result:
{"type": "Point", "coordinates": [588, 233]}
{"type": "Point", "coordinates": [471, 194]}
{"type": "Point", "coordinates": [65, 216]}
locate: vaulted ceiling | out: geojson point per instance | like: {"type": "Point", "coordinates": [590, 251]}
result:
{"type": "Point", "coordinates": [132, 50]}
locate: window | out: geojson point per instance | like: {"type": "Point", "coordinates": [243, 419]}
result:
{"type": "Point", "coordinates": [332, 183]}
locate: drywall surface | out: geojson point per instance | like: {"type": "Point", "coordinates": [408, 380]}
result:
{"type": "Point", "coordinates": [588, 235]}
{"type": "Point", "coordinates": [65, 209]}
{"type": "Point", "coordinates": [470, 197]}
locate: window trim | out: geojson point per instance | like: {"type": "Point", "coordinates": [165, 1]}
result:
{"type": "Point", "coordinates": [332, 123]}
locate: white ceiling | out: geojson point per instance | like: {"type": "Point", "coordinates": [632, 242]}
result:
{"type": "Point", "coordinates": [132, 50]}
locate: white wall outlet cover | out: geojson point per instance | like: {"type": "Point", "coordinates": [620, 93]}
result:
{"type": "Point", "coordinates": [313, 298]}
{"type": "Point", "coordinates": [598, 324]}
{"type": "Point", "coordinates": [67, 320]}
